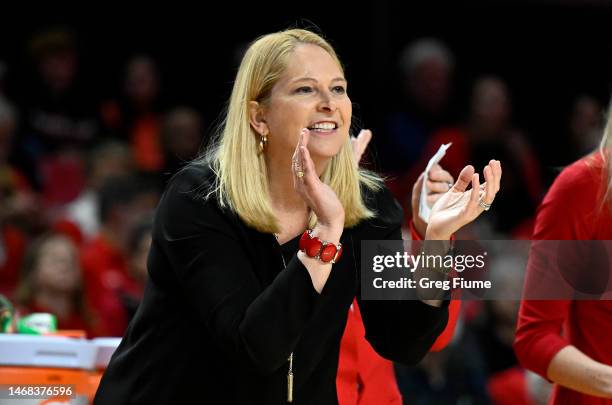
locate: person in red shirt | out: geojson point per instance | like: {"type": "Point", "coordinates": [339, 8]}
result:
{"type": "Point", "coordinates": [123, 202]}
{"type": "Point", "coordinates": [568, 341]}
{"type": "Point", "coordinates": [136, 117]}
{"type": "Point", "coordinates": [51, 281]}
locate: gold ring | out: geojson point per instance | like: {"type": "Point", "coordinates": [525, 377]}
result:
{"type": "Point", "coordinates": [300, 174]}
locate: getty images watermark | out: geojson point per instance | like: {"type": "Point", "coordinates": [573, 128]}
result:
{"type": "Point", "coordinates": [486, 270]}
{"type": "Point", "coordinates": [442, 264]}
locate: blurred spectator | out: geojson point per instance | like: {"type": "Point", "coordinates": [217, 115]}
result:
{"type": "Point", "coordinates": [139, 245]}
{"type": "Point", "coordinates": [426, 68]}
{"type": "Point", "coordinates": [18, 202]}
{"type": "Point", "coordinates": [490, 335]}
{"type": "Point", "coordinates": [18, 206]}
{"type": "Point", "coordinates": [123, 202]}
{"type": "Point", "coordinates": [59, 119]}
{"type": "Point", "coordinates": [51, 281]}
{"type": "Point", "coordinates": [489, 132]}
{"type": "Point", "coordinates": [12, 248]}
{"type": "Point", "coordinates": [182, 136]}
{"type": "Point", "coordinates": [135, 118]}
{"type": "Point", "coordinates": [451, 376]}
{"type": "Point", "coordinates": [585, 127]}
{"type": "Point", "coordinates": [3, 71]}
{"type": "Point", "coordinates": [107, 160]}
{"type": "Point", "coordinates": [480, 366]}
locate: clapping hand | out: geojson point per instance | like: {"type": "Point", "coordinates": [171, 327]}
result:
{"type": "Point", "coordinates": [460, 206]}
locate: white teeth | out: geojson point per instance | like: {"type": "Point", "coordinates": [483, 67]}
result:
{"type": "Point", "coordinates": [324, 126]}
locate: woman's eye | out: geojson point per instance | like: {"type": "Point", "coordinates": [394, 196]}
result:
{"type": "Point", "coordinates": [304, 90]}
{"type": "Point", "coordinates": [339, 89]}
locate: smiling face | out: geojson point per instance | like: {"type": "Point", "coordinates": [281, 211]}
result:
{"type": "Point", "coordinates": [311, 93]}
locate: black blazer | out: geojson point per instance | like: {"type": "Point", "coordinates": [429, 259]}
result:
{"type": "Point", "coordinates": [220, 314]}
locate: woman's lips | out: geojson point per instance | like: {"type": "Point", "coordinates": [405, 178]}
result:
{"type": "Point", "coordinates": [323, 132]}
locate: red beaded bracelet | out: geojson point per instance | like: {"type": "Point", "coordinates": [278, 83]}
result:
{"type": "Point", "coordinates": [325, 251]}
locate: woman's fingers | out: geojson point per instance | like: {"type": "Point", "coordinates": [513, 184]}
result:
{"type": "Point", "coordinates": [304, 172]}
{"type": "Point", "coordinates": [475, 192]}
{"type": "Point", "coordinates": [492, 174]}
{"type": "Point", "coordinates": [438, 186]}
{"type": "Point", "coordinates": [439, 180]}
{"type": "Point", "coordinates": [318, 196]}
{"type": "Point", "coordinates": [310, 173]}
{"type": "Point", "coordinates": [297, 162]}
{"type": "Point", "coordinates": [497, 171]}
{"type": "Point", "coordinates": [360, 143]}
{"type": "Point", "coordinates": [438, 174]}
{"type": "Point", "coordinates": [465, 177]}
{"type": "Point", "coordinates": [489, 191]}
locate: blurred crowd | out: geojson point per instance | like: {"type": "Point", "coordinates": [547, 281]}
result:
{"type": "Point", "coordinates": [81, 175]}
{"type": "Point", "coordinates": [80, 178]}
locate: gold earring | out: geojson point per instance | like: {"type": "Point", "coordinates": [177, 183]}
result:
{"type": "Point", "coordinates": [263, 140]}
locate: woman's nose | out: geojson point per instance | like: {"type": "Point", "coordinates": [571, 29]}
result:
{"type": "Point", "coordinates": [327, 102]}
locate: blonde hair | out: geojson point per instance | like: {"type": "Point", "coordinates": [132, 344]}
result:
{"type": "Point", "coordinates": [241, 182]}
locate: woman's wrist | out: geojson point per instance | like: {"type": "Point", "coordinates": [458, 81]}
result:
{"type": "Point", "coordinates": [328, 233]}
{"type": "Point", "coordinates": [573, 369]}
{"type": "Point", "coordinates": [431, 234]}
{"type": "Point", "coordinates": [419, 226]}
{"type": "Point", "coordinates": [606, 380]}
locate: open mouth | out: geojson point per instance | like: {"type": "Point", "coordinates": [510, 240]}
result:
{"type": "Point", "coordinates": [323, 127]}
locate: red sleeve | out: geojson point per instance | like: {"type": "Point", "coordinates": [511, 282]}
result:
{"type": "Point", "coordinates": [453, 310]}
{"type": "Point", "coordinates": [447, 334]}
{"type": "Point", "coordinates": [565, 214]}
{"type": "Point", "coordinates": [364, 377]}
{"type": "Point", "coordinates": [347, 377]}
{"type": "Point", "coordinates": [15, 244]}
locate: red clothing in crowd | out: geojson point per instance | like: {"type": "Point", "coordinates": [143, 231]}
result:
{"type": "Point", "coordinates": [570, 211]}
{"type": "Point", "coordinates": [365, 378]}
{"type": "Point", "coordinates": [14, 246]}
{"type": "Point", "coordinates": [509, 387]}
{"type": "Point", "coordinates": [460, 153]}
{"type": "Point", "coordinates": [455, 160]}
{"type": "Point", "coordinates": [146, 143]}
{"type": "Point", "coordinates": [106, 279]}
{"type": "Point", "coordinates": [13, 241]}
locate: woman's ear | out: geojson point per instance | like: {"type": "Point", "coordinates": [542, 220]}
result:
{"type": "Point", "coordinates": [257, 118]}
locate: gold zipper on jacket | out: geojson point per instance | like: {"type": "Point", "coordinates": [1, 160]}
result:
{"type": "Point", "coordinates": [290, 379]}
{"type": "Point", "coordinates": [290, 359]}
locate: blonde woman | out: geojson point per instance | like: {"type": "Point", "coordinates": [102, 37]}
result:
{"type": "Point", "coordinates": [568, 342]}
{"type": "Point", "coordinates": [233, 313]}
